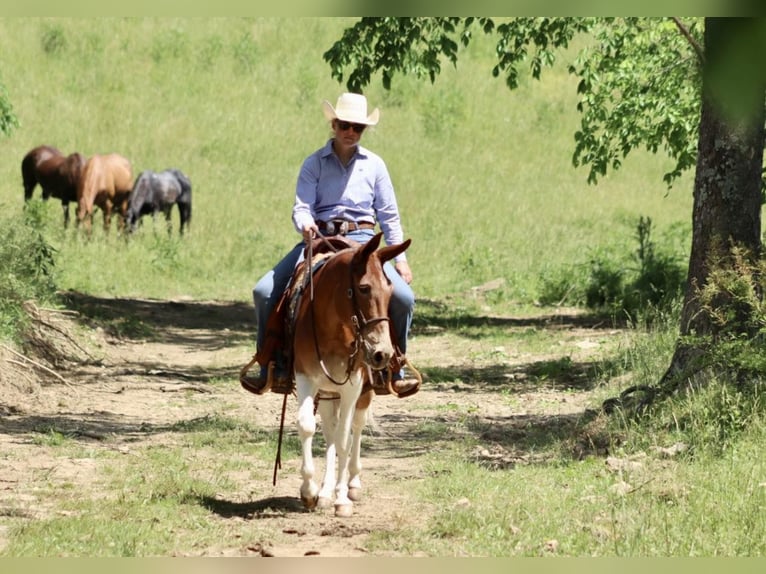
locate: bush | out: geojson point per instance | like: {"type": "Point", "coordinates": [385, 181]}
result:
{"type": "Point", "coordinates": [53, 40]}
{"type": "Point", "coordinates": [721, 400]}
{"type": "Point", "coordinates": [643, 283]}
{"type": "Point", "coordinates": [28, 268]}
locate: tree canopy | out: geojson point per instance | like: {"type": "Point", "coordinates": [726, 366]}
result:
{"type": "Point", "coordinates": [639, 78]}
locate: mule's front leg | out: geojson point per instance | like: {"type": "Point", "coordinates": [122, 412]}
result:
{"type": "Point", "coordinates": [328, 415]}
{"type": "Point", "coordinates": [355, 461]}
{"type": "Point", "coordinates": [306, 429]}
{"type": "Point", "coordinates": [343, 505]}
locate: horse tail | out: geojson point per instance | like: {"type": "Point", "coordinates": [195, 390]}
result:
{"type": "Point", "coordinates": [185, 211]}
{"type": "Point", "coordinates": [184, 181]}
{"type": "Point", "coordinates": [28, 165]}
{"type": "Point", "coordinates": [185, 198]}
{"type": "Point", "coordinates": [87, 187]}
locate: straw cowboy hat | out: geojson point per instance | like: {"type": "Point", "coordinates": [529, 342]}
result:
{"type": "Point", "coordinates": [351, 108]}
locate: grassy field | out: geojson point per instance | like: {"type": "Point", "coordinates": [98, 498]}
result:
{"type": "Point", "coordinates": [483, 175]}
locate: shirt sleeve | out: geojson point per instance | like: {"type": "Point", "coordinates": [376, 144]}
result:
{"type": "Point", "coordinates": [386, 209]}
{"type": "Point", "coordinates": [306, 193]}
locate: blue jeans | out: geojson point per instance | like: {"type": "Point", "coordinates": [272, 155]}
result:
{"type": "Point", "coordinates": [270, 287]}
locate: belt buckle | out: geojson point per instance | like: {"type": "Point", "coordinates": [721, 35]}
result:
{"type": "Point", "coordinates": [329, 227]}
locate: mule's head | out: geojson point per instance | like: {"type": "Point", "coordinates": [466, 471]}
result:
{"type": "Point", "coordinates": [371, 292]}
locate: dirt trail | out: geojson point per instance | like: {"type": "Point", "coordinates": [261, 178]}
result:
{"type": "Point", "coordinates": [160, 362]}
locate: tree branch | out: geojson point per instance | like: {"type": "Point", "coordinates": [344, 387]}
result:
{"type": "Point", "coordinates": [685, 31]}
{"type": "Point", "coordinates": [38, 365]}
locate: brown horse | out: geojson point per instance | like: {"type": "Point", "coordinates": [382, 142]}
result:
{"type": "Point", "coordinates": [106, 182]}
{"type": "Point", "coordinates": [57, 174]}
{"type": "Point", "coordinates": [341, 335]}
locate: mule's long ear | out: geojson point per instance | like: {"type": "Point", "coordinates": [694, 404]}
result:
{"type": "Point", "coordinates": [391, 251]}
{"type": "Point", "coordinates": [367, 249]}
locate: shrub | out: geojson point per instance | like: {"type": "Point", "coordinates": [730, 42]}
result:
{"type": "Point", "coordinates": [28, 268]}
{"type": "Point", "coordinates": [53, 40]}
{"type": "Point", "coordinates": [643, 283]}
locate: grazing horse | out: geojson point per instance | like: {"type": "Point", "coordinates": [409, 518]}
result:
{"type": "Point", "coordinates": [341, 335]}
{"type": "Point", "coordinates": [106, 182]}
{"type": "Point", "coordinates": [57, 174]}
{"type": "Point", "coordinates": [154, 192]}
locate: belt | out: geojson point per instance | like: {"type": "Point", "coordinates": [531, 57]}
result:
{"type": "Point", "coordinates": [342, 227]}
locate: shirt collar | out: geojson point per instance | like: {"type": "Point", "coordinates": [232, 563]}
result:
{"type": "Point", "coordinates": [327, 150]}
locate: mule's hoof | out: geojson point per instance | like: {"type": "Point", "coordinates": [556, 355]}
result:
{"type": "Point", "coordinates": [355, 493]}
{"type": "Point", "coordinates": [324, 502]}
{"type": "Point", "coordinates": [344, 510]}
{"type": "Point", "coordinates": [309, 503]}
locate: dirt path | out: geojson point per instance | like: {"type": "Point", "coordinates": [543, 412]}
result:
{"type": "Point", "coordinates": [156, 363]}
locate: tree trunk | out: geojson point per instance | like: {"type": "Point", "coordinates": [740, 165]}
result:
{"type": "Point", "coordinates": [727, 186]}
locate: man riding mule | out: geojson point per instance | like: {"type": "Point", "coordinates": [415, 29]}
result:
{"type": "Point", "coordinates": [340, 330]}
{"type": "Point", "coordinates": [343, 191]}
{"type": "Point", "coordinates": [281, 330]}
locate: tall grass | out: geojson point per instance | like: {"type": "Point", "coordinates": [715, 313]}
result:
{"type": "Point", "coordinates": [483, 175]}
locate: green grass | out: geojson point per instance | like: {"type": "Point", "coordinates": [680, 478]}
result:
{"type": "Point", "coordinates": [554, 494]}
{"type": "Point", "coordinates": [657, 508]}
{"type": "Point", "coordinates": [483, 175]}
{"type": "Point", "coordinates": [158, 498]}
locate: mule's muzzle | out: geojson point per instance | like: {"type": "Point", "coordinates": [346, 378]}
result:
{"type": "Point", "coordinates": [379, 360]}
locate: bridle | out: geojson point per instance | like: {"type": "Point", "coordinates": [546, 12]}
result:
{"type": "Point", "coordinates": [360, 323]}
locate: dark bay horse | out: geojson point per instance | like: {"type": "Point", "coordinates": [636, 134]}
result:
{"type": "Point", "coordinates": [106, 182]}
{"type": "Point", "coordinates": [159, 191]}
{"type": "Point", "coordinates": [341, 335]}
{"type": "Point", "coordinates": [57, 174]}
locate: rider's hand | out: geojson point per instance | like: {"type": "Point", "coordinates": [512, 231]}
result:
{"type": "Point", "coordinates": [403, 269]}
{"type": "Point", "coordinates": [310, 231]}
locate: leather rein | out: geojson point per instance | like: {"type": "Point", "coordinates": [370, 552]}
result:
{"type": "Point", "coordinates": [360, 323]}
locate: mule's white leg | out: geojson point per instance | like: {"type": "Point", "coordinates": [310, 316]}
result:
{"type": "Point", "coordinates": [355, 461]}
{"type": "Point", "coordinates": [328, 413]}
{"type": "Point", "coordinates": [343, 505]}
{"type": "Point", "coordinates": [306, 429]}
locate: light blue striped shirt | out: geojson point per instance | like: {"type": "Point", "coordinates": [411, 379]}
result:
{"type": "Point", "coordinates": [361, 191]}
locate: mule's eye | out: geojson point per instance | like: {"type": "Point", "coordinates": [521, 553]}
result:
{"type": "Point", "coordinates": [365, 289]}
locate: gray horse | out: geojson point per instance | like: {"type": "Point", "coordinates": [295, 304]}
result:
{"type": "Point", "coordinates": [159, 191]}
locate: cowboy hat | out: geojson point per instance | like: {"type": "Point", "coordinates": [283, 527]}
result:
{"type": "Point", "coordinates": [351, 108]}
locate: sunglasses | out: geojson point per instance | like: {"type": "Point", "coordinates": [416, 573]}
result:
{"type": "Point", "coordinates": [343, 126]}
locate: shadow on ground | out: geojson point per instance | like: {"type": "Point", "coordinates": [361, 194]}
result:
{"type": "Point", "coordinates": [152, 319]}
{"type": "Point", "coordinates": [271, 507]}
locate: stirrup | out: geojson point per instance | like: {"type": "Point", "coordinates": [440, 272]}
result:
{"type": "Point", "coordinates": [259, 386]}
{"type": "Point", "coordinates": [385, 386]}
{"type": "Point", "coordinates": [256, 385]}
